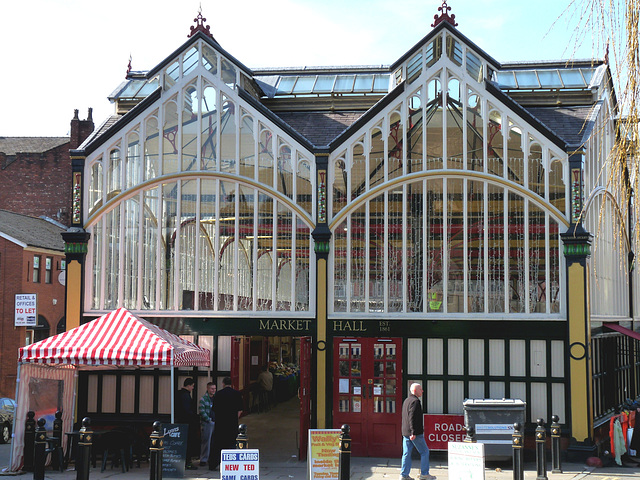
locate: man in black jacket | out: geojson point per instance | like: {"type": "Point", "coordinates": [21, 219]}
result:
{"type": "Point", "coordinates": [413, 435]}
{"type": "Point", "coordinates": [227, 405]}
{"type": "Point", "coordinates": [185, 413]}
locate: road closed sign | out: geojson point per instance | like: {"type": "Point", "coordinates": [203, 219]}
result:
{"type": "Point", "coordinates": [240, 465]}
{"type": "Point", "coordinates": [439, 430]}
{"type": "Point", "coordinates": [26, 314]}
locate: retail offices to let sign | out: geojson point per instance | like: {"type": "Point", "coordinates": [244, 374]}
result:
{"type": "Point", "coordinates": [26, 310]}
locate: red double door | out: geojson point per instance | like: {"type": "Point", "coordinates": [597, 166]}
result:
{"type": "Point", "coordinates": [367, 393]}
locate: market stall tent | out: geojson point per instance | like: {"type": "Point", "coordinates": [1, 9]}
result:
{"type": "Point", "coordinates": [116, 339]}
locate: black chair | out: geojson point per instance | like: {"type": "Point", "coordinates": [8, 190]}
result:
{"type": "Point", "coordinates": [115, 445]}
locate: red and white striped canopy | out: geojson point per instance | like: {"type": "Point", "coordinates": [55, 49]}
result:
{"type": "Point", "coordinates": [118, 338]}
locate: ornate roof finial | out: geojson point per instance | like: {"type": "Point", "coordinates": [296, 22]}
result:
{"type": "Point", "coordinates": [128, 67]}
{"type": "Point", "coordinates": [444, 16]}
{"type": "Point", "coordinates": [200, 26]}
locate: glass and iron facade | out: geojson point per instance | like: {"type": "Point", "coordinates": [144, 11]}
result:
{"type": "Point", "coordinates": [445, 201]}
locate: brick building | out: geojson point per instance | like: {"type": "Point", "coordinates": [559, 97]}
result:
{"type": "Point", "coordinates": [35, 172]}
{"type": "Point", "coordinates": [31, 262]}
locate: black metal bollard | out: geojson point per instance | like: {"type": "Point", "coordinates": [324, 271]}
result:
{"type": "Point", "coordinates": [29, 441]}
{"type": "Point", "coordinates": [39, 450]}
{"type": "Point", "coordinates": [517, 444]}
{"type": "Point", "coordinates": [471, 435]}
{"type": "Point", "coordinates": [556, 463]}
{"type": "Point", "coordinates": [541, 454]}
{"type": "Point", "coordinates": [57, 433]}
{"type": "Point", "coordinates": [84, 446]}
{"type": "Point", "coordinates": [156, 451]}
{"type": "Point", "coordinates": [242, 442]}
{"type": "Point", "coordinates": [344, 454]}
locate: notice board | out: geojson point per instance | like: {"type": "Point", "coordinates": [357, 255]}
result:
{"type": "Point", "coordinates": [466, 461]}
{"type": "Point", "coordinates": [324, 449]}
{"type": "Point", "coordinates": [175, 449]}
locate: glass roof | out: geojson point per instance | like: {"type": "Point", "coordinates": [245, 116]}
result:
{"type": "Point", "coordinates": [547, 78]}
{"type": "Point", "coordinates": [342, 83]}
{"type": "Point", "coordinates": [137, 88]}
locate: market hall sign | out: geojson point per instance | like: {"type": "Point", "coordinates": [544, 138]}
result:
{"type": "Point", "coordinates": [291, 325]}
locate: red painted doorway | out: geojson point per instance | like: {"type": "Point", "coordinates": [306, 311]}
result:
{"type": "Point", "coordinates": [367, 393]}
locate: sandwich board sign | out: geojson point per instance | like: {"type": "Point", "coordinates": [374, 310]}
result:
{"type": "Point", "coordinates": [466, 461]}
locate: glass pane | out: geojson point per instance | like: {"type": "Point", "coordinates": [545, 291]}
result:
{"type": "Point", "coordinates": [475, 154]}
{"type": "Point", "coordinates": [414, 68]}
{"type": "Point", "coordinates": [171, 75]}
{"type": "Point", "coordinates": [209, 136]}
{"type": "Point", "coordinates": [536, 253]}
{"type": "Point", "coordinates": [356, 369]}
{"type": "Point", "coordinates": [343, 368]}
{"type": "Point", "coordinates": [344, 83]}
{"type": "Point", "coordinates": [527, 79]}
{"type": "Point", "coordinates": [380, 83]}
{"type": "Point", "coordinates": [474, 66]}
{"type": "Point", "coordinates": [496, 249]}
{"type": "Point", "coordinates": [378, 404]}
{"type": "Point", "coordinates": [378, 369]}
{"type": "Point", "coordinates": [390, 369]}
{"type": "Point", "coordinates": [391, 351]}
{"type": "Point", "coordinates": [343, 403]}
{"type": "Point", "coordinates": [517, 254]}
{"type": "Point", "coordinates": [390, 386]}
{"type": "Point", "coordinates": [170, 139]}
{"type": "Point", "coordinates": [378, 350]}
{"type": "Point", "coordinates": [364, 83]}
{"type": "Point", "coordinates": [324, 84]}
{"type": "Point", "coordinates": [549, 78]}
{"type": "Point", "coordinates": [209, 59]}
{"type": "Point", "coordinates": [286, 85]}
{"type": "Point", "coordinates": [207, 245]}
{"type": "Point", "coordinates": [228, 136]}
{"type": "Point", "coordinates": [265, 152]}
{"type": "Point", "coordinates": [572, 78]}
{"type": "Point", "coordinates": [304, 85]}
{"type": "Point", "coordinates": [343, 350]}
{"type": "Point", "coordinates": [356, 403]}
{"type": "Point", "coordinates": [190, 61]}
{"type": "Point", "coordinates": [433, 113]}
{"type": "Point", "coordinates": [228, 73]}
{"type": "Point", "coordinates": [475, 251]}
{"type": "Point", "coordinates": [190, 129]}
{"type": "Point", "coordinates": [506, 80]}
{"type": "Point", "coordinates": [587, 74]}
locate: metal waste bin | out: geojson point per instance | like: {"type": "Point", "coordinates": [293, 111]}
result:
{"type": "Point", "coordinates": [493, 419]}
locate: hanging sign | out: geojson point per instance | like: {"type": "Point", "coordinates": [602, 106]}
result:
{"type": "Point", "coordinates": [324, 449]}
{"type": "Point", "coordinates": [26, 310]}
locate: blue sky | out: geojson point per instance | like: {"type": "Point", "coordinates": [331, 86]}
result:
{"type": "Point", "coordinates": [59, 55]}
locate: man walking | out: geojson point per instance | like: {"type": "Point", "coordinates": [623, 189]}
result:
{"type": "Point", "coordinates": [413, 435]}
{"type": "Point", "coordinates": [207, 422]}
{"type": "Point", "coordinates": [227, 405]}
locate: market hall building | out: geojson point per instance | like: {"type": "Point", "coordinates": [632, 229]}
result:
{"type": "Point", "coordinates": [429, 221]}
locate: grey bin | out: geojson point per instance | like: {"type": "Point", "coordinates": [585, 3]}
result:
{"type": "Point", "coordinates": [492, 420]}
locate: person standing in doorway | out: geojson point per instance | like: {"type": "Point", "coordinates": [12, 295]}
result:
{"type": "Point", "coordinates": [413, 435]}
{"type": "Point", "coordinates": [207, 422]}
{"type": "Point", "coordinates": [227, 406]}
{"type": "Point", "coordinates": [185, 413]}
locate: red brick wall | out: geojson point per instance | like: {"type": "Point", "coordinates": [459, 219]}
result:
{"type": "Point", "coordinates": [16, 269]}
{"type": "Point", "coordinates": [38, 184]}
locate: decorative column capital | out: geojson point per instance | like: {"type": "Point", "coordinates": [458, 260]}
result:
{"type": "Point", "coordinates": [577, 242]}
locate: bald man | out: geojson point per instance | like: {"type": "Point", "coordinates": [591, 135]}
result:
{"type": "Point", "coordinates": [413, 435]}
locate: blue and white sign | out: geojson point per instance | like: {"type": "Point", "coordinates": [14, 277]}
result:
{"type": "Point", "coordinates": [240, 465]}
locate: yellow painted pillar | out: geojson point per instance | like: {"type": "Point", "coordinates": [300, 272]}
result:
{"type": "Point", "coordinates": [577, 250]}
{"type": "Point", "coordinates": [321, 414]}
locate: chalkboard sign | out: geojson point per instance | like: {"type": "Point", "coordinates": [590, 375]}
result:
{"type": "Point", "coordinates": [175, 449]}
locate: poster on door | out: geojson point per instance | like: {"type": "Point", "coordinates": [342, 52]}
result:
{"type": "Point", "coordinates": [324, 448]}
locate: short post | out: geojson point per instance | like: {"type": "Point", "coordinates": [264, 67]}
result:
{"type": "Point", "coordinates": [56, 455]}
{"type": "Point", "coordinates": [29, 440]}
{"type": "Point", "coordinates": [470, 437]}
{"type": "Point", "coordinates": [84, 446]}
{"type": "Point", "coordinates": [242, 442]}
{"type": "Point", "coordinates": [518, 452]}
{"type": "Point", "coordinates": [39, 453]}
{"type": "Point", "coordinates": [344, 454]}
{"type": "Point", "coordinates": [556, 463]}
{"type": "Point", "coordinates": [541, 454]}
{"type": "Point", "coordinates": [156, 449]}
